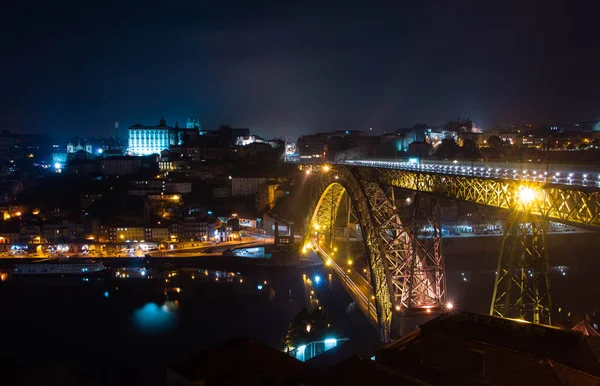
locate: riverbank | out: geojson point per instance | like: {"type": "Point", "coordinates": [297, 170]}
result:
{"type": "Point", "coordinates": [230, 263]}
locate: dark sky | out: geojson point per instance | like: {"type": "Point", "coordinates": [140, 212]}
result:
{"type": "Point", "coordinates": [285, 68]}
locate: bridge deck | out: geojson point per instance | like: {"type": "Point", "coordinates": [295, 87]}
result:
{"type": "Point", "coordinates": [574, 199]}
{"type": "Point", "coordinates": [356, 286]}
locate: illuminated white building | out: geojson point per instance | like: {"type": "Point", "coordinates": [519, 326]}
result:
{"type": "Point", "coordinates": [146, 140]}
{"type": "Point", "coordinates": [71, 148]}
{"type": "Point", "coordinates": [247, 140]}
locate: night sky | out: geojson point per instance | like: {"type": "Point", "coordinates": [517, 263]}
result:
{"type": "Point", "coordinates": [288, 68]}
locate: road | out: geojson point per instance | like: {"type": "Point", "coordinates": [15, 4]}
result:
{"type": "Point", "coordinates": [358, 288]}
{"type": "Point", "coordinates": [203, 250]}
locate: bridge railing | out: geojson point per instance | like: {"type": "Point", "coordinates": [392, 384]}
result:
{"type": "Point", "coordinates": [361, 300]}
{"type": "Point", "coordinates": [549, 174]}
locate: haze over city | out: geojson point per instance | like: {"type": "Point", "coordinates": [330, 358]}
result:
{"type": "Point", "coordinates": [292, 68]}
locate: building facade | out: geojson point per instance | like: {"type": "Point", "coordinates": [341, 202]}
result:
{"type": "Point", "coordinates": [312, 146]}
{"type": "Point", "coordinates": [160, 235]}
{"type": "Point", "coordinates": [146, 140]}
{"type": "Point", "coordinates": [242, 186]}
{"type": "Point", "coordinates": [121, 165]}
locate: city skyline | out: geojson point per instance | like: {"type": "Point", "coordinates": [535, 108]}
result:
{"type": "Point", "coordinates": [287, 70]}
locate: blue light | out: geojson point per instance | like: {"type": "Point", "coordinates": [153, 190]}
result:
{"type": "Point", "coordinates": [259, 287]}
{"type": "Point", "coordinates": [209, 213]}
{"type": "Point", "coordinates": [152, 318]}
{"type": "Point", "coordinates": [106, 294]}
{"type": "Point", "coordinates": [143, 273]}
{"type": "Point", "coordinates": [330, 343]}
{"type": "Point", "coordinates": [317, 279]}
{"type": "Point", "coordinates": [57, 165]}
{"type": "Point", "coordinates": [300, 353]}
{"type": "Point", "coordinates": [100, 151]}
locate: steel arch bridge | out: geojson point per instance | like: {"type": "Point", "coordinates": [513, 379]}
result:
{"type": "Point", "coordinates": [405, 274]}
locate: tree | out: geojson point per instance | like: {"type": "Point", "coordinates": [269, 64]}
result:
{"type": "Point", "coordinates": [448, 148]}
{"type": "Point", "coordinates": [495, 142]}
{"type": "Point", "coordinates": [469, 149]}
{"type": "Point", "coordinates": [307, 327]}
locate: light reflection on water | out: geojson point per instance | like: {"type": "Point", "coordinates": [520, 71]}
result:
{"type": "Point", "coordinates": [152, 318]}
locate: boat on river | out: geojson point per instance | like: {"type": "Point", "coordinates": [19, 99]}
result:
{"type": "Point", "coordinates": [59, 267]}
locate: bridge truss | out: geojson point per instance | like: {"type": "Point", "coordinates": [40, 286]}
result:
{"type": "Point", "coordinates": [405, 259]}
{"type": "Point", "coordinates": [406, 272]}
{"type": "Point", "coordinates": [577, 205]}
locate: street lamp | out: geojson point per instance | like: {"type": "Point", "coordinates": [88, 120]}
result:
{"type": "Point", "coordinates": [527, 195]}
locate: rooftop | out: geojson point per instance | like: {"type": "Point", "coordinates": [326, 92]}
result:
{"type": "Point", "coordinates": [460, 346]}
{"type": "Point", "coordinates": [239, 361]}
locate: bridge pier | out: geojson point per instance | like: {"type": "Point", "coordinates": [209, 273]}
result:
{"type": "Point", "coordinates": [427, 283]}
{"type": "Point", "coordinates": [406, 322]}
{"type": "Point", "coordinates": [522, 286]}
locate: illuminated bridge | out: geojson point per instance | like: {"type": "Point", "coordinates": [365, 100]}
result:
{"type": "Point", "coordinates": [390, 259]}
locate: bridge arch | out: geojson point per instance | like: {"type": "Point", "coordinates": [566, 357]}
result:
{"type": "Point", "coordinates": [398, 277]}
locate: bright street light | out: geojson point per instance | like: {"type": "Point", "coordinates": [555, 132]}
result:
{"type": "Point", "coordinates": [326, 168]}
{"type": "Point", "coordinates": [527, 195]}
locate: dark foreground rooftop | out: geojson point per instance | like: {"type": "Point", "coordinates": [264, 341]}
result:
{"type": "Point", "coordinates": [458, 348]}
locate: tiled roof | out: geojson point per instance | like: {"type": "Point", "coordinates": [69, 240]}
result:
{"type": "Point", "coordinates": [360, 371]}
{"type": "Point", "coordinates": [460, 345]}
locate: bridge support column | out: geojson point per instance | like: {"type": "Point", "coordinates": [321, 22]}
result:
{"type": "Point", "coordinates": [427, 285]}
{"type": "Point", "coordinates": [426, 273]}
{"type": "Point", "coordinates": [522, 287]}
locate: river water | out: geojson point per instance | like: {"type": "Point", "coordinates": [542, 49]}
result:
{"type": "Point", "coordinates": [125, 330]}
{"type": "Point", "coordinates": [127, 327]}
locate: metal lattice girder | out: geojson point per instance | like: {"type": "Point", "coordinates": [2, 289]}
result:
{"type": "Point", "coordinates": [331, 186]}
{"type": "Point", "coordinates": [323, 218]}
{"type": "Point", "coordinates": [522, 286]}
{"type": "Point", "coordinates": [427, 269]}
{"type": "Point", "coordinates": [578, 205]}
{"type": "Point", "coordinates": [394, 241]}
